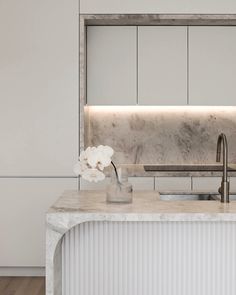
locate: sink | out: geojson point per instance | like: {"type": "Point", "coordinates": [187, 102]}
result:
{"type": "Point", "coordinates": [188, 197]}
{"type": "Point", "coordinates": [177, 196]}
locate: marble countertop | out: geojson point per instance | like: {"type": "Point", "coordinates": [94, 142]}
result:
{"type": "Point", "coordinates": [75, 207]}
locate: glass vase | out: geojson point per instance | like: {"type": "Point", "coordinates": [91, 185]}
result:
{"type": "Point", "coordinates": [119, 190]}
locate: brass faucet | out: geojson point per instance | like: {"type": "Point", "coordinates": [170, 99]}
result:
{"type": "Point", "coordinates": [224, 189]}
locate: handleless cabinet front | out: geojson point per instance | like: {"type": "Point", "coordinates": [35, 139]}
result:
{"type": "Point", "coordinates": [162, 65]}
{"type": "Point", "coordinates": [111, 65]}
{"type": "Point", "coordinates": [22, 218]}
{"type": "Point", "coordinates": [212, 63]}
{"type": "Point", "coordinates": [38, 88]}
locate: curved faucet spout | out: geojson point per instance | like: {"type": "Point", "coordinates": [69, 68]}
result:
{"type": "Point", "coordinates": [224, 190]}
{"type": "Point", "coordinates": [223, 140]}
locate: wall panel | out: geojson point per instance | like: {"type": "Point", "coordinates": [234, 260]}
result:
{"type": "Point", "coordinates": [153, 6]}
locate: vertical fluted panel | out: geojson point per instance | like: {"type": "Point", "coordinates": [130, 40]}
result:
{"type": "Point", "coordinates": [151, 258]}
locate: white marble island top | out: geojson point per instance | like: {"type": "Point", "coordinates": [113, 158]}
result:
{"type": "Point", "coordinates": [74, 207]}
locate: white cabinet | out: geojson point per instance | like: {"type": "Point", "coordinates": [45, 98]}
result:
{"type": "Point", "coordinates": [138, 183]}
{"type": "Point", "coordinates": [173, 184]}
{"type": "Point", "coordinates": [101, 185]}
{"type": "Point", "coordinates": [142, 183]}
{"type": "Point", "coordinates": [212, 63]}
{"type": "Point", "coordinates": [24, 203]}
{"type": "Point", "coordinates": [162, 65]}
{"type": "Point", "coordinates": [117, 76]}
{"type": "Point", "coordinates": [111, 65]}
{"type": "Point", "coordinates": [38, 87]}
{"type": "Point", "coordinates": [206, 184]}
{"type": "Point", "coordinates": [233, 184]}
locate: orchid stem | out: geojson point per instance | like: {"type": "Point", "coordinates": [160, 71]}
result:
{"type": "Point", "coordinates": [117, 177]}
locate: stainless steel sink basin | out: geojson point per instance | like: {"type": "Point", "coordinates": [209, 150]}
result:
{"type": "Point", "coordinates": [177, 196]}
{"type": "Point", "coordinates": [188, 197]}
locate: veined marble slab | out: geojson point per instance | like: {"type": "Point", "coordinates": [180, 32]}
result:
{"type": "Point", "coordinates": [92, 205]}
{"type": "Point", "coordinates": [161, 135]}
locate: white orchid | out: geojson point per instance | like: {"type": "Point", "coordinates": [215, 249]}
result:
{"type": "Point", "coordinates": [83, 156]}
{"type": "Point", "coordinates": [106, 150]}
{"type": "Point", "coordinates": [93, 174]}
{"type": "Point", "coordinates": [92, 161]}
{"type": "Point", "coordinates": [91, 153]}
{"type": "Point", "coordinates": [80, 167]}
{"type": "Point", "coordinates": [104, 156]}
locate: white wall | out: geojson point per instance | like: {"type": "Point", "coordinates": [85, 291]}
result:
{"type": "Point", "coordinates": [157, 6]}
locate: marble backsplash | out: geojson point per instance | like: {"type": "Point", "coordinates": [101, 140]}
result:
{"type": "Point", "coordinates": [161, 135]}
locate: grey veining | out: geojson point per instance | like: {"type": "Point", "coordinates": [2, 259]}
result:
{"type": "Point", "coordinates": [159, 19]}
{"type": "Point", "coordinates": [143, 135]}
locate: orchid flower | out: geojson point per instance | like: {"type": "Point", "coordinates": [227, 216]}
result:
{"type": "Point", "coordinates": [92, 162]}
{"type": "Point", "coordinates": [93, 174]}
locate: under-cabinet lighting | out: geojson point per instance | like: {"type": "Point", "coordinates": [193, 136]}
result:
{"type": "Point", "coordinates": [138, 108]}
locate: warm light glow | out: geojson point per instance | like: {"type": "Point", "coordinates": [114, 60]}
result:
{"type": "Point", "coordinates": [138, 108]}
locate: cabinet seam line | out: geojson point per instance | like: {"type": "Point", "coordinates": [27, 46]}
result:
{"type": "Point", "coordinates": [137, 30]}
{"type": "Point", "coordinates": [187, 65]}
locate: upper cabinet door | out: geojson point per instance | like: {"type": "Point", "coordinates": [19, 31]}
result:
{"type": "Point", "coordinates": [38, 88]}
{"type": "Point", "coordinates": [162, 65]}
{"type": "Point", "coordinates": [111, 65]}
{"type": "Point", "coordinates": [212, 63]}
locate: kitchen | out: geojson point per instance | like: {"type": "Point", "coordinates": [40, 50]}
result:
{"type": "Point", "coordinates": [161, 106]}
